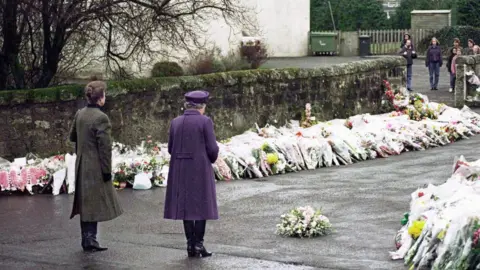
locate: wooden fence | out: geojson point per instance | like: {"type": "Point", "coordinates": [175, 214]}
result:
{"type": "Point", "coordinates": [388, 41]}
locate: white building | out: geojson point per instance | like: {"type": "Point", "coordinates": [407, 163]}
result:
{"type": "Point", "coordinates": [389, 6]}
{"type": "Point", "coordinates": [283, 25]}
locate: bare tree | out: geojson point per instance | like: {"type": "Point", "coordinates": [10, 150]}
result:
{"type": "Point", "coordinates": [44, 38]}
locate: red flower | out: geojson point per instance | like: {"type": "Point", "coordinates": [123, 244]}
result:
{"type": "Point", "coordinates": [420, 194]}
{"type": "Point", "coordinates": [299, 134]}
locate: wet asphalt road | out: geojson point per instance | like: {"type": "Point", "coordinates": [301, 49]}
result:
{"type": "Point", "coordinates": [364, 201]}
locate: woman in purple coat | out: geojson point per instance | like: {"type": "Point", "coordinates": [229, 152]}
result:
{"type": "Point", "coordinates": [191, 194]}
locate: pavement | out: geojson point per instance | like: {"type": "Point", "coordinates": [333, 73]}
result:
{"type": "Point", "coordinates": [364, 201]}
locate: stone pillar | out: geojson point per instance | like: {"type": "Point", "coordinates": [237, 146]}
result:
{"type": "Point", "coordinates": [462, 87]}
{"type": "Point", "coordinates": [459, 94]}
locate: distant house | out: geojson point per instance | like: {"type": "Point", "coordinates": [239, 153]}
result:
{"type": "Point", "coordinates": [389, 6]}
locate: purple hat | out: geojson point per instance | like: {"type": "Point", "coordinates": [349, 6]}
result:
{"type": "Point", "coordinates": [197, 97]}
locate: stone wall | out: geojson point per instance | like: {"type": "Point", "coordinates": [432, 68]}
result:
{"type": "Point", "coordinates": [38, 120]}
{"type": "Point", "coordinates": [465, 93]}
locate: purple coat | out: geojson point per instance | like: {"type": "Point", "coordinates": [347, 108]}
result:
{"type": "Point", "coordinates": [191, 192]}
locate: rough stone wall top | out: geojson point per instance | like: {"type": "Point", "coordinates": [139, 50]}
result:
{"type": "Point", "coordinates": [38, 120]}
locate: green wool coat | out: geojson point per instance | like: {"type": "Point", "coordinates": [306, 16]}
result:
{"type": "Point", "coordinates": [95, 199]}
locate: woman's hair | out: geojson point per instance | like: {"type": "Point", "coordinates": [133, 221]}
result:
{"type": "Point", "coordinates": [456, 40]}
{"type": "Point", "coordinates": [476, 49]}
{"type": "Point", "coordinates": [194, 106]}
{"type": "Point", "coordinates": [94, 91]}
{"type": "Point", "coordinates": [471, 41]}
{"type": "Point", "coordinates": [435, 39]}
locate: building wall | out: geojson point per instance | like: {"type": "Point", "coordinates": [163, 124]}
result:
{"type": "Point", "coordinates": [430, 20]}
{"type": "Point", "coordinates": [283, 25]}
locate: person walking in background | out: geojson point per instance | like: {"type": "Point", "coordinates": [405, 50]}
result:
{"type": "Point", "coordinates": [453, 52]}
{"type": "Point", "coordinates": [405, 38]}
{"type": "Point", "coordinates": [408, 51]}
{"type": "Point", "coordinates": [191, 192]}
{"type": "Point", "coordinates": [470, 49]}
{"type": "Point", "coordinates": [434, 61]}
{"type": "Point", "coordinates": [95, 197]}
{"type": "Point", "coordinates": [453, 69]}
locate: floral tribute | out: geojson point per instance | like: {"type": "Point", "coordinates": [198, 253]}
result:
{"type": "Point", "coordinates": [442, 229]}
{"type": "Point", "coordinates": [146, 158]}
{"type": "Point", "coordinates": [304, 222]}
{"type": "Point", "coordinates": [307, 119]}
{"type": "Point", "coordinates": [413, 124]}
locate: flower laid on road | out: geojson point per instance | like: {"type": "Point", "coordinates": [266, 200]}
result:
{"type": "Point", "coordinates": [304, 222]}
{"type": "Point", "coordinates": [442, 229]}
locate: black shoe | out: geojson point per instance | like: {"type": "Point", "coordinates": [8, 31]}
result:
{"type": "Point", "coordinates": [94, 249]}
{"type": "Point", "coordinates": [201, 251]}
{"type": "Point", "coordinates": [91, 244]}
{"type": "Point", "coordinates": [435, 88]}
{"type": "Point", "coordinates": [409, 90]}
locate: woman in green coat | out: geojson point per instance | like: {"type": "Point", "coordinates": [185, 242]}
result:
{"type": "Point", "coordinates": [95, 197]}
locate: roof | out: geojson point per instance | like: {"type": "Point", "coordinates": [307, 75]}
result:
{"type": "Point", "coordinates": [439, 11]}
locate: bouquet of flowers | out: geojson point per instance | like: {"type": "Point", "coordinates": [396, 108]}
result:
{"type": "Point", "coordinates": [304, 222]}
{"type": "Point", "coordinates": [149, 147]}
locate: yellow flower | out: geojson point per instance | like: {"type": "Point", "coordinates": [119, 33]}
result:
{"type": "Point", "coordinates": [416, 229]}
{"type": "Point", "coordinates": [441, 235]}
{"type": "Point", "coordinates": [272, 158]}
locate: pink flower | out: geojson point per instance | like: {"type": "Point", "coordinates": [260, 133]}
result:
{"type": "Point", "coordinates": [149, 141]}
{"type": "Point", "coordinates": [3, 180]}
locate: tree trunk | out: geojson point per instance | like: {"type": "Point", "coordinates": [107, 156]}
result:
{"type": "Point", "coordinates": [9, 51]}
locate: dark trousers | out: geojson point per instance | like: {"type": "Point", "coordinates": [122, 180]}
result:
{"type": "Point", "coordinates": [434, 70]}
{"type": "Point", "coordinates": [194, 231]}
{"type": "Point", "coordinates": [409, 77]}
{"type": "Point", "coordinates": [453, 79]}
{"type": "Point", "coordinates": [89, 233]}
